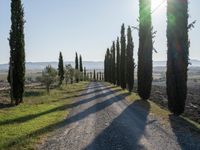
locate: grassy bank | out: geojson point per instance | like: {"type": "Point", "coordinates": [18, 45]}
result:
{"type": "Point", "coordinates": [23, 126]}
{"type": "Point", "coordinates": [155, 109]}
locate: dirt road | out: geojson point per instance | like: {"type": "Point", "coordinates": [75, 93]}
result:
{"type": "Point", "coordinates": [101, 119]}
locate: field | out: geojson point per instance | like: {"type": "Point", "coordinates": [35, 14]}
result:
{"type": "Point", "coordinates": [47, 112]}
{"type": "Point", "coordinates": [192, 109]}
{"type": "Point", "coordinates": [24, 126]}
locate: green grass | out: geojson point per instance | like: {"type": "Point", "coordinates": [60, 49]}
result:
{"type": "Point", "coordinates": [23, 126]}
{"type": "Point", "coordinates": [153, 108]}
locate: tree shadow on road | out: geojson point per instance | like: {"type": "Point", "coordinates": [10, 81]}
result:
{"type": "Point", "coordinates": [187, 135]}
{"type": "Point", "coordinates": [77, 117]}
{"type": "Point", "coordinates": [125, 131]}
{"type": "Point", "coordinates": [59, 108]}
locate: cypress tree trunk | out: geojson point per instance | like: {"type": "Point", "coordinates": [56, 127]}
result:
{"type": "Point", "coordinates": [16, 75]}
{"type": "Point", "coordinates": [145, 50]}
{"type": "Point", "coordinates": [178, 51]}
{"type": "Point", "coordinates": [118, 62]}
{"type": "Point", "coordinates": [123, 55]}
{"type": "Point", "coordinates": [130, 61]}
{"type": "Point", "coordinates": [76, 66]}
{"type": "Point", "coordinates": [61, 71]}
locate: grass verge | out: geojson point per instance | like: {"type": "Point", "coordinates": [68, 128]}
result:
{"type": "Point", "coordinates": [155, 109]}
{"type": "Point", "coordinates": [23, 126]}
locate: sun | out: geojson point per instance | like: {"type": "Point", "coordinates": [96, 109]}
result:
{"type": "Point", "coordinates": [158, 5]}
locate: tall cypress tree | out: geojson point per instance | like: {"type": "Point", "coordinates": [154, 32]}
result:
{"type": "Point", "coordinates": [123, 56]}
{"type": "Point", "coordinates": [81, 67]}
{"type": "Point", "coordinates": [110, 66]}
{"type": "Point", "coordinates": [118, 72]}
{"type": "Point", "coordinates": [16, 75]}
{"type": "Point", "coordinates": [85, 74]}
{"type": "Point", "coordinates": [145, 50]}
{"type": "Point", "coordinates": [178, 51]}
{"type": "Point", "coordinates": [81, 63]}
{"type": "Point", "coordinates": [113, 64]}
{"type": "Point", "coordinates": [130, 61]}
{"type": "Point", "coordinates": [94, 74]}
{"type": "Point", "coordinates": [105, 67]}
{"type": "Point", "coordinates": [61, 71]}
{"type": "Point", "coordinates": [76, 66]}
{"type": "Point", "coordinates": [76, 62]}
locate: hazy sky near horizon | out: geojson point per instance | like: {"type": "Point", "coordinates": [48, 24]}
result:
{"type": "Point", "coordinates": [86, 26]}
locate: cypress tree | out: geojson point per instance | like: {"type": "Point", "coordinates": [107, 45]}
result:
{"type": "Point", "coordinates": [105, 67]}
{"type": "Point", "coordinates": [97, 76]}
{"type": "Point", "coordinates": [178, 51]}
{"type": "Point", "coordinates": [100, 76]}
{"type": "Point", "coordinates": [81, 64]}
{"type": "Point", "coordinates": [118, 72]}
{"type": "Point", "coordinates": [94, 75]}
{"type": "Point", "coordinates": [113, 64]}
{"type": "Point", "coordinates": [130, 61]}
{"type": "Point", "coordinates": [61, 71]}
{"type": "Point", "coordinates": [110, 66]}
{"type": "Point", "coordinates": [85, 74]}
{"type": "Point", "coordinates": [76, 62]}
{"type": "Point", "coordinates": [81, 67]}
{"type": "Point", "coordinates": [16, 74]}
{"type": "Point", "coordinates": [123, 56]}
{"type": "Point", "coordinates": [76, 66]}
{"type": "Point", "coordinates": [145, 50]}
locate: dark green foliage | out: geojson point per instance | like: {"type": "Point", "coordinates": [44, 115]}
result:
{"type": "Point", "coordinates": [113, 65]}
{"type": "Point", "coordinates": [97, 76]}
{"type": "Point", "coordinates": [48, 77]}
{"type": "Point", "coordinates": [118, 72]}
{"type": "Point", "coordinates": [123, 57]}
{"type": "Point", "coordinates": [76, 62]}
{"type": "Point", "coordinates": [76, 67]}
{"type": "Point", "coordinates": [61, 71]}
{"type": "Point", "coordinates": [94, 75]}
{"type": "Point", "coordinates": [145, 49]}
{"type": "Point", "coordinates": [107, 66]}
{"type": "Point", "coordinates": [130, 61]}
{"type": "Point", "coordinates": [85, 74]}
{"type": "Point", "coordinates": [178, 51]}
{"type": "Point", "coordinates": [16, 75]}
{"type": "Point", "coordinates": [100, 74]}
{"type": "Point", "coordinates": [81, 64]}
{"type": "Point", "coordinates": [81, 68]}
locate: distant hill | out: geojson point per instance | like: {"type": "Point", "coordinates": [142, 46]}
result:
{"type": "Point", "coordinates": [194, 63]}
{"type": "Point", "coordinates": [88, 64]}
{"type": "Point", "coordinates": [41, 65]}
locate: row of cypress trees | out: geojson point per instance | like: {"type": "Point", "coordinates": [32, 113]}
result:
{"type": "Point", "coordinates": [79, 66]}
{"type": "Point", "coordinates": [119, 69]}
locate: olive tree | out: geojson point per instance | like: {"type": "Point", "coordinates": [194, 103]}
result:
{"type": "Point", "coordinates": [49, 76]}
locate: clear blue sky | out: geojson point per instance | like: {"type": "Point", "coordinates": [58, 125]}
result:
{"type": "Point", "coordinates": [86, 26]}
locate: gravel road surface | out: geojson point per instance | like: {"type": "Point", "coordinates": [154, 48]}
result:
{"type": "Point", "coordinates": [101, 119]}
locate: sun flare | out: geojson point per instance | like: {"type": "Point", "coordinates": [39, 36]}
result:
{"type": "Point", "coordinates": [158, 5]}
